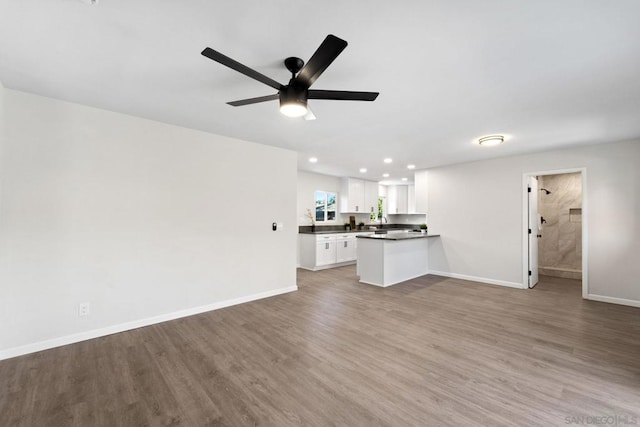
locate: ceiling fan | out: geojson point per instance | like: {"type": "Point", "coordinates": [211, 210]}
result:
{"type": "Point", "coordinates": [294, 95]}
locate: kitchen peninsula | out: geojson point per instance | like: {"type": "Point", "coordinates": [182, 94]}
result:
{"type": "Point", "coordinates": [387, 259]}
{"type": "Point", "coordinates": [333, 246]}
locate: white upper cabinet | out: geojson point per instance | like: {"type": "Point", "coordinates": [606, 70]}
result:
{"type": "Point", "coordinates": [398, 199]}
{"type": "Point", "coordinates": [356, 195]}
{"type": "Point", "coordinates": [371, 196]}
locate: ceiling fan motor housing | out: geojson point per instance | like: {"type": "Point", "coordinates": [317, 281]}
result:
{"type": "Point", "coordinates": [294, 93]}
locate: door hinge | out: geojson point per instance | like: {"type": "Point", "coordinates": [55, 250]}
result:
{"type": "Point", "coordinates": [528, 189]}
{"type": "Point", "coordinates": [529, 272]}
{"type": "Point", "coordinates": [529, 231]}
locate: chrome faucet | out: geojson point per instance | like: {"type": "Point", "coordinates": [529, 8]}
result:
{"type": "Point", "coordinates": [382, 218]}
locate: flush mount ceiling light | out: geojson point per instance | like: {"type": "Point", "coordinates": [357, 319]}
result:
{"type": "Point", "coordinates": [313, 159]}
{"type": "Point", "coordinates": [411, 166]}
{"type": "Point", "coordinates": [385, 175]}
{"type": "Point", "coordinates": [363, 170]}
{"type": "Point", "coordinates": [405, 179]}
{"type": "Point", "coordinates": [388, 160]}
{"type": "Point", "coordinates": [491, 140]}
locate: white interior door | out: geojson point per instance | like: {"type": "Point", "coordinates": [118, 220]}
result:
{"type": "Point", "coordinates": [534, 231]}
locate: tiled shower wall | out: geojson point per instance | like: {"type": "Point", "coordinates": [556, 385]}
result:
{"type": "Point", "coordinates": [560, 247]}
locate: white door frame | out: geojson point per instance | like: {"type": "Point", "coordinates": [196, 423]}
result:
{"type": "Point", "coordinates": [534, 230]}
{"type": "Point", "coordinates": [525, 222]}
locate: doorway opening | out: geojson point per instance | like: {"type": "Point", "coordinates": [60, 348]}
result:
{"type": "Point", "coordinates": [555, 219]}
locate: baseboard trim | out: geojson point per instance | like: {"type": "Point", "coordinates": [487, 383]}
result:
{"type": "Point", "coordinates": [372, 284]}
{"type": "Point", "coordinates": [478, 279]}
{"type": "Point", "coordinates": [328, 266]}
{"type": "Point", "coordinates": [613, 300]}
{"type": "Point", "coordinates": [122, 327]}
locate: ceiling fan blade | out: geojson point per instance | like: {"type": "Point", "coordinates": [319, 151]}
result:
{"type": "Point", "coordinates": [329, 50]}
{"type": "Point", "coordinates": [342, 95]}
{"type": "Point", "coordinates": [249, 101]}
{"type": "Point", "coordinates": [235, 65]}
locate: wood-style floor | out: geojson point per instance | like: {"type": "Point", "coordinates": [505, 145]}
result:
{"type": "Point", "coordinates": [431, 351]}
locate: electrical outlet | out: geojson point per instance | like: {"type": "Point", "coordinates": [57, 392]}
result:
{"type": "Point", "coordinates": [83, 309]}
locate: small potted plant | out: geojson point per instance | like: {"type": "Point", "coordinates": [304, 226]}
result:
{"type": "Point", "coordinates": [312, 219]}
{"type": "Point", "coordinates": [347, 226]}
{"type": "Point", "coordinates": [423, 228]}
{"type": "Point", "coordinates": [360, 225]}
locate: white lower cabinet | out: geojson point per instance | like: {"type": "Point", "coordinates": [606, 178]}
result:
{"type": "Point", "coordinates": [326, 250]}
{"type": "Point", "coordinates": [345, 248]}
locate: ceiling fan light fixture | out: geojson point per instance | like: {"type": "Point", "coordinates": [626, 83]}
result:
{"type": "Point", "coordinates": [293, 103]}
{"type": "Point", "coordinates": [292, 109]}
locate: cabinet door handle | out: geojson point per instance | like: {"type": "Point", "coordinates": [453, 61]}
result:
{"type": "Point", "coordinates": [345, 244]}
{"type": "Point", "coordinates": [326, 246]}
{"type": "Point", "coordinates": [356, 208]}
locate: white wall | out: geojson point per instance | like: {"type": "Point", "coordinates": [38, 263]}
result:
{"type": "Point", "coordinates": [421, 179]}
{"type": "Point", "coordinates": [308, 184]}
{"type": "Point", "coordinates": [143, 220]}
{"type": "Point", "coordinates": [477, 207]}
{"type": "Point", "coordinates": [2, 134]}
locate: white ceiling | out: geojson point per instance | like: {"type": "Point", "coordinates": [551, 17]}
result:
{"type": "Point", "coordinates": [547, 73]}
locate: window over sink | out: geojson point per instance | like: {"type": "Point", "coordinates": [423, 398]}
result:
{"type": "Point", "coordinates": [325, 206]}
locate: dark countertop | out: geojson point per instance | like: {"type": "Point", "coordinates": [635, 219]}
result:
{"type": "Point", "coordinates": [335, 229]}
{"type": "Point", "coordinates": [398, 236]}
{"type": "Point", "coordinates": [335, 232]}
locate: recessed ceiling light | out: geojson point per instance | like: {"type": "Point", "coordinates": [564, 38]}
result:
{"type": "Point", "coordinates": [411, 166]}
{"type": "Point", "coordinates": [491, 140]}
{"type": "Point", "coordinates": [404, 179]}
{"type": "Point", "coordinates": [313, 159]}
{"type": "Point", "coordinates": [363, 170]}
{"type": "Point", "coordinates": [388, 160]}
{"type": "Point", "coordinates": [385, 175]}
